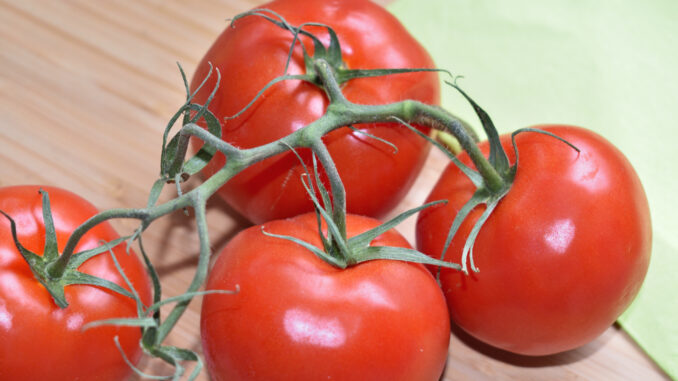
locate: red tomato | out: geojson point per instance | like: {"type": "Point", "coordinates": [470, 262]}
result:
{"type": "Point", "coordinates": [563, 254]}
{"type": "Point", "coordinates": [254, 52]}
{"type": "Point", "coordinates": [298, 318]}
{"type": "Point", "coordinates": [41, 341]}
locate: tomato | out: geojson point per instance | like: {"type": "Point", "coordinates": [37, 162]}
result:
{"type": "Point", "coordinates": [41, 341]}
{"type": "Point", "coordinates": [255, 51]}
{"type": "Point", "coordinates": [298, 318]}
{"type": "Point", "coordinates": [563, 254]}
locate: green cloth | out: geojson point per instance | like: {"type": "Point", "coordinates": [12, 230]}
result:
{"type": "Point", "coordinates": [605, 65]}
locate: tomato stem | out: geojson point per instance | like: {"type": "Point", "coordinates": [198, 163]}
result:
{"type": "Point", "coordinates": [339, 114]}
{"type": "Point", "coordinates": [57, 268]}
{"type": "Point", "coordinates": [200, 272]}
{"type": "Point", "coordinates": [408, 111]}
{"type": "Point", "coordinates": [336, 187]}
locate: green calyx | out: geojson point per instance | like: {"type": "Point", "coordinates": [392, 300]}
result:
{"type": "Point", "coordinates": [330, 54]}
{"type": "Point", "coordinates": [51, 270]}
{"type": "Point", "coordinates": [343, 252]}
{"type": "Point", "coordinates": [490, 189]}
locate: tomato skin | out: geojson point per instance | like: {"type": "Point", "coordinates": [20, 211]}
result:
{"type": "Point", "coordinates": [255, 51]}
{"type": "Point", "coordinates": [563, 254]}
{"type": "Point", "coordinates": [298, 318]}
{"type": "Point", "coordinates": [41, 341]}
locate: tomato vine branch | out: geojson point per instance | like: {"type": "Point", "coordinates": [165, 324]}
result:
{"type": "Point", "coordinates": [327, 71]}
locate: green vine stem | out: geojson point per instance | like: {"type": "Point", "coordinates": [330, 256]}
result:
{"type": "Point", "coordinates": [340, 113]}
{"type": "Point", "coordinates": [198, 277]}
{"type": "Point", "coordinates": [57, 269]}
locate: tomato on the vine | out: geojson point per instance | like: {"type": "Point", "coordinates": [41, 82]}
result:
{"type": "Point", "coordinates": [296, 317]}
{"type": "Point", "coordinates": [254, 51]}
{"type": "Point", "coordinates": [563, 254]}
{"type": "Point", "coordinates": [41, 341]}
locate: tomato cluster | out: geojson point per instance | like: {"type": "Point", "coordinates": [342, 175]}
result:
{"type": "Point", "coordinates": [561, 256]}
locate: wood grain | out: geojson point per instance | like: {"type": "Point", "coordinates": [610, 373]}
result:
{"type": "Point", "coordinates": [86, 88]}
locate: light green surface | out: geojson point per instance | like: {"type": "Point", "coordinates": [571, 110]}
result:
{"type": "Point", "coordinates": [609, 66]}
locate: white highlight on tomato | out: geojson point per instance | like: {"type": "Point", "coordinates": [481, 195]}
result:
{"type": "Point", "coordinates": [559, 235]}
{"type": "Point", "coordinates": [74, 322]}
{"type": "Point", "coordinates": [5, 318]}
{"type": "Point", "coordinates": [304, 327]}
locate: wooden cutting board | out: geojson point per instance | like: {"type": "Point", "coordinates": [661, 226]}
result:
{"type": "Point", "coordinates": [86, 89]}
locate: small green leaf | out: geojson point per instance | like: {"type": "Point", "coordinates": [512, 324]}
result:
{"type": "Point", "coordinates": [327, 204]}
{"type": "Point", "coordinates": [364, 239]}
{"type": "Point", "coordinates": [185, 80]}
{"type": "Point", "coordinates": [471, 239]}
{"type": "Point", "coordinates": [196, 163]}
{"type": "Point", "coordinates": [201, 110]}
{"type": "Point", "coordinates": [55, 289]}
{"type": "Point", "coordinates": [51, 252]}
{"type": "Point", "coordinates": [319, 50]}
{"type": "Point", "coordinates": [76, 277]}
{"type": "Point", "coordinates": [135, 294]}
{"type": "Point", "coordinates": [479, 197]}
{"type": "Point", "coordinates": [213, 124]}
{"type": "Point", "coordinates": [400, 254]}
{"type": "Point", "coordinates": [282, 23]}
{"type": "Point", "coordinates": [474, 176]}
{"type": "Point", "coordinates": [31, 258]}
{"type": "Point", "coordinates": [79, 258]}
{"type": "Point", "coordinates": [290, 53]}
{"type": "Point", "coordinates": [301, 77]}
{"type": "Point", "coordinates": [180, 353]}
{"type": "Point", "coordinates": [312, 248]}
{"type": "Point", "coordinates": [356, 130]}
{"type": "Point", "coordinates": [184, 110]}
{"type": "Point", "coordinates": [171, 155]}
{"type": "Point", "coordinates": [498, 158]}
{"type": "Point", "coordinates": [324, 192]}
{"type": "Point", "coordinates": [133, 367]}
{"type": "Point", "coordinates": [186, 297]}
{"type": "Point", "coordinates": [146, 322]}
{"type": "Point", "coordinates": [334, 50]}
{"type": "Point", "coordinates": [175, 167]}
{"type": "Point", "coordinates": [536, 130]}
{"type": "Point", "coordinates": [155, 192]}
{"type": "Point", "coordinates": [165, 161]}
{"type": "Point", "coordinates": [332, 228]}
{"type": "Point", "coordinates": [38, 265]}
{"type": "Point", "coordinates": [155, 279]}
{"type": "Point", "coordinates": [331, 225]}
{"type": "Point", "coordinates": [345, 75]}
{"type": "Point", "coordinates": [262, 12]}
{"type": "Point", "coordinates": [189, 95]}
{"type": "Point", "coordinates": [175, 356]}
